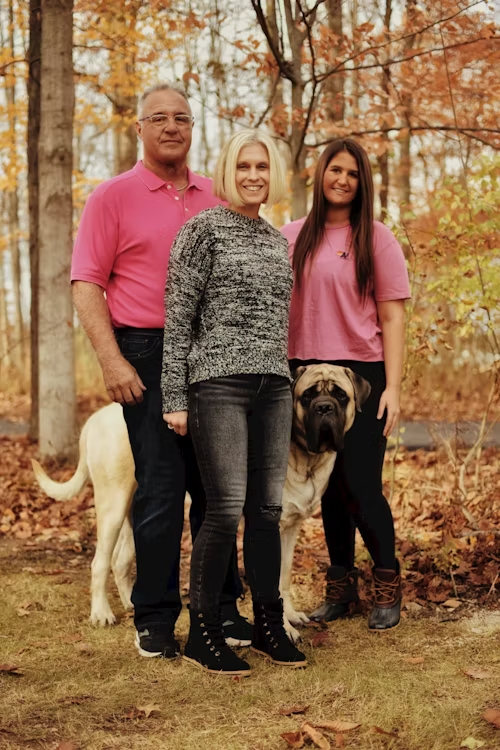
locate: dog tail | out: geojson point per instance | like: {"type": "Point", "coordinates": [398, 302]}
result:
{"type": "Point", "coordinates": [65, 490]}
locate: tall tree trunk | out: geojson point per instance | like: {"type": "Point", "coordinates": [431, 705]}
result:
{"type": "Point", "coordinates": [383, 158]}
{"type": "Point", "coordinates": [124, 133]}
{"type": "Point", "coordinates": [296, 38]}
{"type": "Point", "coordinates": [12, 199]}
{"type": "Point", "coordinates": [5, 345]}
{"type": "Point", "coordinates": [33, 85]}
{"type": "Point", "coordinates": [124, 96]}
{"type": "Point", "coordinates": [405, 139]}
{"type": "Point", "coordinates": [334, 86]}
{"type": "Point", "coordinates": [57, 398]}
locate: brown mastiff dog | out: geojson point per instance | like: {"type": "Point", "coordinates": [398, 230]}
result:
{"type": "Point", "coordinates": [325, 400]}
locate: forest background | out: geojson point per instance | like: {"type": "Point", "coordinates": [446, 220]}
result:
{"type": "Point", "coordinates": [417, 83]}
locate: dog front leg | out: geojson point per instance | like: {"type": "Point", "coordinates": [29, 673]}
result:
{"type": "Point", "coordinates": [291, 617]}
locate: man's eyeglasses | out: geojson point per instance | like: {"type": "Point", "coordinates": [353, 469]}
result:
{"type": "Point", "coordinates": [182, 121]}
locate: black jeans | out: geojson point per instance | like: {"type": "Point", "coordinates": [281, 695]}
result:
{"type": "Point", "coordinates": [165, 468]}
{"type": "Point", "coordinates": [354, 496]}
{"type": "Point", "coordinates": [240, 426]}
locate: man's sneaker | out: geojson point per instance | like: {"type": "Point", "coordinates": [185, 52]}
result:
{"type": "Point", "coordinates": [236, 628]}
{"type": "Point", "coordinates": [157, 641]}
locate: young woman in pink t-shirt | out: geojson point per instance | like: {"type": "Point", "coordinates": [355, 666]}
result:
{"type": "Point", "coordinates": [348, 309]}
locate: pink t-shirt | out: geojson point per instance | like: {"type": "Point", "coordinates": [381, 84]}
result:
{"type": "Point", "coordinates": [123, 243]}
{"type": "Point", "coordinates": [328, 320]}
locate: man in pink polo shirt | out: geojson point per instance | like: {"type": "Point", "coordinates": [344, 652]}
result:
{"type": "Point", "coordinates": [118, 274]}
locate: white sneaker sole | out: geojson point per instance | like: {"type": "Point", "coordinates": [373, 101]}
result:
{"type": "Point", "coordinates": [236, 643]}
{"type": "Point", "coordinates": [149, 654]}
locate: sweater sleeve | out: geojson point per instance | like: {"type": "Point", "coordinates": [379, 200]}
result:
{"type": "Point", "coordinates": [188, 271]}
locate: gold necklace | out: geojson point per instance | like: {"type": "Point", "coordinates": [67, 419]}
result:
{"type": "Point", "coordinates": [182, 188]}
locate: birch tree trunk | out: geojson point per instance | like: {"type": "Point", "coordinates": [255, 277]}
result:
{"type": "Point", "coordinates": [57, 398]}
{"type": "Point", "coordinates": [33, 86]}
{"type": "Point", "coordinates": [12, 168]}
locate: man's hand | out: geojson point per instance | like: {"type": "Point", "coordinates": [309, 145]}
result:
{"type": "Point", "coordinates": [177, 421]}
{"type": "Point", "coordinates": [122, 382]}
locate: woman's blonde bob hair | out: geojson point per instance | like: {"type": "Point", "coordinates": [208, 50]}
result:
{"type": "Point", "coordinates": [225, 170]}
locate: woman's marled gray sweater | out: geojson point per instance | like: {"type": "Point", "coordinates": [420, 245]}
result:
{"type": "Point", "coordinates": [226, 302]}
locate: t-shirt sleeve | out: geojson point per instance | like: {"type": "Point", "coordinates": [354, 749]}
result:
{"type": "Point", "coordinates": [188, 270]}
{"type": "Point", "coordinates": [96, 241]}
{"type": "Point", "coordinates": [391, 274]}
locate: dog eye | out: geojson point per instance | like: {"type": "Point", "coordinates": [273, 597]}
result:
{"type": "Point", "coordinates": [341, 395]}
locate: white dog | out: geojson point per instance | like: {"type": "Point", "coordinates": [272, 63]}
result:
{"type": "Point", "coordinates": [325, 403]}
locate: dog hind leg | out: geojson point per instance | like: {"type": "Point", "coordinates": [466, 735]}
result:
{"type": "Point", "coordinates": [121, 563]}
{"type": "Point", "coordinates": [110, 514]}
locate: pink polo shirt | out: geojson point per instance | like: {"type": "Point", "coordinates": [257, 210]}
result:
{"type": "Point", "coordinates": [123, 243]}
{"type": "Point", "coordinates": [328, 320]}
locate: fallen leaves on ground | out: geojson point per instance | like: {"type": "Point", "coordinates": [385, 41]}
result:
{"type": "Point", "coordinates": [294, 739]}
{"type": "Point", "coordinates": [432, 520]}
{"type": "Point", "coordinates": [321, 638]}
{"type": "Point", "coordinates": [379, 730]}
{"type": "Point", "coordinates": [141, 712]}
{"type": "Point", "coordinates": [76, 700]}
{"type": "Point", "coordinates": [337, 726]}
{"type": "Point", "coordinates": [316, 737]}
{"type": "Point", "coordinates": [472, 743]}
{"type": "Point", "coordinates": [11, 669]}
{"type": "Point", "coordinates": [289, 711]}
{"type": "Point", "coordinates": [492, 716]}
{"type": "Point", "coordinates": [476, 673]}
{"type": "Point", "coordinates": [150, 708]}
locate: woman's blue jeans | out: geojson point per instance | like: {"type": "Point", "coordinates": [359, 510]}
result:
{"type": "Point", "coordinates": [240, 426]}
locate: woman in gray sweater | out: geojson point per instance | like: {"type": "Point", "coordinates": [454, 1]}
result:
{"type": "Point", "coordinates": [226, 375]}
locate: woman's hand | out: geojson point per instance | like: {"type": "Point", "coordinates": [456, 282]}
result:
{"type": "Point", "coordinates": [177, 421]}
{"type": "Point", "coordinates": [389, 401]}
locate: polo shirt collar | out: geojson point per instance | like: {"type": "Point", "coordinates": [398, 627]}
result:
{"type": "Point", "coordinates": [153, 182]}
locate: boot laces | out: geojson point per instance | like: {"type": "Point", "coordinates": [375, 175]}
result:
{"type": "Point", "coordinates": [385, 591]}
{"type": "Point", "coordinates": [212, 633]}
{"type": "Point", "coordinates": [272, 622]}
{"type": "Point", "coordinates": [335, 589]}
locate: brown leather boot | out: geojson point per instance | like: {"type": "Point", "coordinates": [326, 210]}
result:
{"type": "Point", "coordinates": [387, 595]}
{"type": "Point", "coordinates": [341, 592]}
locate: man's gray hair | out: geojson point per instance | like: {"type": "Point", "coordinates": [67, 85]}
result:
{"type": "Point", "coordinates": [165, 86]}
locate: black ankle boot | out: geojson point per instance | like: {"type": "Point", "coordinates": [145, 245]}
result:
{"type": "Point", "coordinates": [206, 647]}
{"type": "Point", "coordinates": [341, 593]}
{"type": "Point", "coordinates": [387, 594]}
{"type": "Point", "coordinates": [270, 638]}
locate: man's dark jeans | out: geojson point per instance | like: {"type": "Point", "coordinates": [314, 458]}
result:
{"type": "Point", "coordinates": [240, 426]}
{"type": "Point", "coordinates": [165, 467]}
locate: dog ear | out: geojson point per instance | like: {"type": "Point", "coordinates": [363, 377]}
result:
{"type": "Point", "coordinates": [297, 373]}
{"type": "Point", "coordinates": [362, 387]}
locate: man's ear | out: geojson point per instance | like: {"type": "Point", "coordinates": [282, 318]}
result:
{"type": "Point", "coordinates": [362, 387]}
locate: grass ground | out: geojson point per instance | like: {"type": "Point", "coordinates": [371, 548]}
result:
{"type": "Point", "coordinates": [81, 688]}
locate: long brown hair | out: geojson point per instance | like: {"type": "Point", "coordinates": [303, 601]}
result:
{"type": "Point", "coordinates": [361, 217]}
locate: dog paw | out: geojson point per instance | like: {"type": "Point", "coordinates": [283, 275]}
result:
{"type": "Point", "coordinates": [292, 633]}
{"type": "Point", "coordinates": [102, 618]}
{"type": "Point", "coordinates": [297, 618]}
